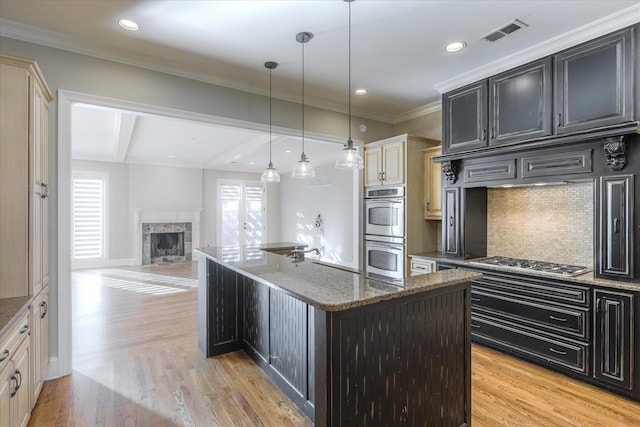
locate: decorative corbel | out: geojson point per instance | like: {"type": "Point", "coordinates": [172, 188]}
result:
{"type": "Point", "coordinates": [450, 171]}
{"type": "Point", "coordinates": [615, 150]}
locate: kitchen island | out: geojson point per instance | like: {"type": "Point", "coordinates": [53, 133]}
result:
{"type": "Point", "coordinates": [346, 347]}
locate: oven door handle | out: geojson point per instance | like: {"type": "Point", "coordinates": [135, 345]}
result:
{"type": "Point", "coordinates": [383, 201]}
{"type": "Point", "coordinates": [384, 246]}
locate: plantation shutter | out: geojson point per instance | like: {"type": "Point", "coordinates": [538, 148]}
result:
{"type": "Point", "coordinates": [88, 218]}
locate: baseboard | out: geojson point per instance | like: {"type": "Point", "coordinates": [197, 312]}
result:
{"type": "Point", "coordinates": [103, 263]}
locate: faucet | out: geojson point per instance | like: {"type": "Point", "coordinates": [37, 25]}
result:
{"type": "Point", "coordinates": [299, 252]}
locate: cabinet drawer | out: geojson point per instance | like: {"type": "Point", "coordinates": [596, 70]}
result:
{"type": "Point", "coordinates": [556, 164]}
{"type": "Point", "coordinates": [535, 289]}
{"type": "Point", "coordinates": [422, 266]}
{"type": "Point", "coordinates": [489, 171]}
{"type": "Point", "coordinates": [546, 349]}
{"type": "Point", "coordinates": [559, 320]}
{"type": "Point", "coordinates": [13, 338]}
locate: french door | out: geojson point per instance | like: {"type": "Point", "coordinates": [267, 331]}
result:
{"type": "Point", "coordinates": [241, 215]}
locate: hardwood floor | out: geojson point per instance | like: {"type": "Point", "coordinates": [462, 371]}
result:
{"type": "Point", "coordinates": [136, 363]}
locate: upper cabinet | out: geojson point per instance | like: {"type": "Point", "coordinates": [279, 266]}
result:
{"type": "Point", "coordinates": [384, 164]}
{"type": "Point", "coordinates": [24, 173]}
{"type": "Point", "coordinates": [432, 184]}
{"type": "Point", "coordinates": [520, 103]}
{"type": "Point", "coordinates": [586, 88]}
{"type": "Point", "coordinates": [594, 84]}
{"type": "Point", "coordinates": [465, 118]}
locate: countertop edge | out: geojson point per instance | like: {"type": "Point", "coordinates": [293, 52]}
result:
{"type": "Point", "coordinates": [23, 305]}
{"type": "Point", "coordinates": [583, 279]}
{"type": "Point", "coordinates": [451, 278]}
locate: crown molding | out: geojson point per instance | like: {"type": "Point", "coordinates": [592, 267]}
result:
{"type": "Point", "coordinates": [423, 110]}
{"type": "Point", "coordinates": [592, 30]}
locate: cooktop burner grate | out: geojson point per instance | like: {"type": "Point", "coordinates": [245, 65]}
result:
{"type": "Point", "coordinates": [542, 266]}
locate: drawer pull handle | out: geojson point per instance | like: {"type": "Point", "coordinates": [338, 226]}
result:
{"type": "Point", "coordinates": [559, 319]}
{"type": "Point", "coordinates": [24, 329]}
{"type": "Point", "coordinates": [43, 309]}
{"type": "Point", "coordinates": [553, 350]}
{"type": "Point", "coordinates": [5, 355]}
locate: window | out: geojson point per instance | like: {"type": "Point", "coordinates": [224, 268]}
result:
{"type": "Point", "coordinates": [88, 229]}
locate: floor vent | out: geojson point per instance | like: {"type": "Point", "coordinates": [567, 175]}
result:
{"type": "Point", "coordinates": [507, 29]}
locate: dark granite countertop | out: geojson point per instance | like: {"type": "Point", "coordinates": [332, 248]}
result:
{"type": "Point", "coordinates": [586, 279]}
{"type": "Point", "coordinates": [10, 310]}
{"type": "Point", "coordinates": [331, 287]}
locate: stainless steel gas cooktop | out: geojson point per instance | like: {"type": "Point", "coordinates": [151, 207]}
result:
{"type": "Point", "coordinates": [527, 264]}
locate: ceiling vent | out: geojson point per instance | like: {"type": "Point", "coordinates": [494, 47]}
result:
{"type": "Point", "coordinates": [507, 29]}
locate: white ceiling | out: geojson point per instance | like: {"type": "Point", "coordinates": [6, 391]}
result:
{"type": "Point", "coordinates": [397, 55]}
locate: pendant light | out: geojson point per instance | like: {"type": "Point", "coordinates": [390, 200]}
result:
{"type": "Point", "coordinates": [349, 158]}
{"type": "Point", "coordinates": [303, 168]}
{"type": "Point", "coordinates": [270, 174]}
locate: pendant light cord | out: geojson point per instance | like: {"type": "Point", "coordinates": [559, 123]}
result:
{"type": "Point", "coordinates": [303, 99]}
{"type": "Point", "coordinates": [349, 141]}
{"type": "Point", "coordinates": [270, 105]}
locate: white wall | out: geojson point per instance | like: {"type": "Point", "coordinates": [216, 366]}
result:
{"type": "Point", "coordinates": [301, 201]}
{"type": "Point", "coordinates": [163, 187]}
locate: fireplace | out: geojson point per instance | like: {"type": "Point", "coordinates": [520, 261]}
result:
{"type": "Point", "coordinates": [166, 242]}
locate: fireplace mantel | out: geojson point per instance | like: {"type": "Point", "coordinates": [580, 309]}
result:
{"type": "Point", "coordinates": [144, 216]}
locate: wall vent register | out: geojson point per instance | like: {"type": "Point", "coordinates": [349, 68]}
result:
{"type": "Point", "coordinates": [531, 265]}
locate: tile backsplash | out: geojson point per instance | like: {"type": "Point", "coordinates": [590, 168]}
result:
{"type": "Point", "coordinates": [544, 223]}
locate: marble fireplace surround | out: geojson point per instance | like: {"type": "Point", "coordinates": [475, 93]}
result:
{"type": "Point", "coordinates": [167, 220]}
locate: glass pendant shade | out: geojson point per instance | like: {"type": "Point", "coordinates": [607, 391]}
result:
{"type": "Point", "coordinates": [349, 158]}
{"type": "Point", "coordinates": [303, 168]}
{"type": "Point", "coordinates": [270, 174]}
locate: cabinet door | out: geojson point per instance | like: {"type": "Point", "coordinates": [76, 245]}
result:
{"type": "Point", "coordinates": [433, 184]}
{"type": "Point", "coordinates": [593, 84]}
{"type": "Point", "coordinates": [465, 118]}
{"type": "Point", "coordinates": [22, 398]}
{"type": "Point", "coordinates": [613, 331]}
{"type": "Point", "coordinates": [223, 312]}
{"type": "Point", "coordinates": [288, 332]}
{"type": "Point", "coordinates": [256, 317]}
{"type": "Point", "coordinates": [6, 387]}
{"type": "Point", "coordinates": [451, 228]}
{"type": "Point", "coordinates": [615, 226]}
{"type": "Point", "coordinates": [40, 342]}
{"type": "Point", "coordinates": [393, 163]}
{"type": "Point", "coordinates": [520, 103]}
{"type": "Point", "coordinates": [372, 166]}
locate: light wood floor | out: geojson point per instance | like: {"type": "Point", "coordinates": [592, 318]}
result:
{"type": "Point", "coordinates": [136, 363]}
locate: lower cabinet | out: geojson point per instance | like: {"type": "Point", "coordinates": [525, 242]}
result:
{"type": "Point", "coordinates": [15, 379]}
{"type": "Point", "coordinates": [585, 331]}
{"type": "Point", "coordinates": [614, 329]}
{"type": "Point", "coordinates": [39, 342]}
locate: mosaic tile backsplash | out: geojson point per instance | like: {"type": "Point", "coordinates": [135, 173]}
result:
{"type": "Point", "coordinates": [546, 223]}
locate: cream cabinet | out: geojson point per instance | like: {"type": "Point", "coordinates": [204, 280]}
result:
{"type": "Point", "coordinates": [15, 375]}
{"type": "Point", "coordinates": [384, 164]}
{"type": "Point", "coordinates": [432, 184]}
{"type": "Point", "coordinates": [39, 342]}
{"type": "Point", "coordinates": [24, 173]}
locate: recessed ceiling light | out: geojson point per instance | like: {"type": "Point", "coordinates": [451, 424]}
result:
{"type": "Point", "coordinates": [287, 151]}
{"type": "Point", "coordinates": [128, 25]}
{"type": "Point", "coordinates": [361, 91]}
{"type": "Point", "coordinates": [455, 46]}
{"type": "Point", "coordinates": [171, 156]}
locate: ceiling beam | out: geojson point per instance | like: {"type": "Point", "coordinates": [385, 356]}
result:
{"type": "Point", "coordinates": [235, 153]}
{"type": "Point", "coordinates": [125, 123]}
